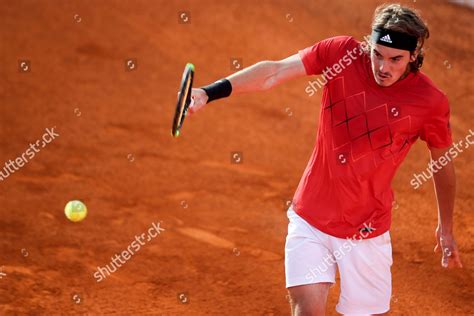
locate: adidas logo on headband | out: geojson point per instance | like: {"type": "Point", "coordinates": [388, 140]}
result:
{"type": "Point", "coordinates": [394, 39]}
{"type": "Point", "coordinates": [386, 39]}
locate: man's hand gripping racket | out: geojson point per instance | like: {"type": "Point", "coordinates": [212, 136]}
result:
{"type": "Point", "coordinates": [189, 100]}
{"type": "Point", "coordinates": [198, 100]}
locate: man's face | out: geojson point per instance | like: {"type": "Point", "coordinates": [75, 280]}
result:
{"type": "Point", "coordinates": [389, 64]}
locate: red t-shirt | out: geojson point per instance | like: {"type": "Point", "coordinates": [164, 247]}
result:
{"type": "Point", "coordinates": [364, 134]}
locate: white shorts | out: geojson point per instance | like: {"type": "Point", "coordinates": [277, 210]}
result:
{"type": "Point", "coordinates": [311, 256]}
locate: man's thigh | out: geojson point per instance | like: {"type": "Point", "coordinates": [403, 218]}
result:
{"type": "Point", "coordinates": [366, 280]}
{"type": "Point", "coordinates": [307, 254]}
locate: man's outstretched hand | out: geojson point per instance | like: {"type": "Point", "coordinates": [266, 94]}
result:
{"type": "Point", "coordinates": [450, 254]}
{"type": "Point", "coordinates": [199, 100]}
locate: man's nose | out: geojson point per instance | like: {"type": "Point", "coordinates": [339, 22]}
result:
{"type": "Point", "coordinates": [383, 67]}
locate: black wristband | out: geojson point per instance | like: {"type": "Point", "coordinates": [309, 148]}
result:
{"type": "Point", "coordinates": [217, 90]}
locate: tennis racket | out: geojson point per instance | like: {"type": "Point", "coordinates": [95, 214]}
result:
{"type": "Point", "coordinates": [184, 99]}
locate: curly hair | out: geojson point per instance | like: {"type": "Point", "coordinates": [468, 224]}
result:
{"type": "Point", "coordinates": [398, 18]}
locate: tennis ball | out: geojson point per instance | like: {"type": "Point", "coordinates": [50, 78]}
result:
{"type": "Point", "coordinates": [75, 211]}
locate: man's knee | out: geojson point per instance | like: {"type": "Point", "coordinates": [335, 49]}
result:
{"type": "Point", "coordinates": [309, 300]}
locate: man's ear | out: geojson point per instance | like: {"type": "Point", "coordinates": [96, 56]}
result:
{"type": "Point", "coordinates": [413, 56]}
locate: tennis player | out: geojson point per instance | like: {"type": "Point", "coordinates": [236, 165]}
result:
{"type": "Point", "coordinates": [376, 103]}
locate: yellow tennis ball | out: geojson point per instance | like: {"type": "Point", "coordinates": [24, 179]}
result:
{"type": "Point", "coordinates": [75, 211]}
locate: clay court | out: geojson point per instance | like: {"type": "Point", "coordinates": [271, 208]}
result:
{"type": "Point", "coordinates": [104, 75]}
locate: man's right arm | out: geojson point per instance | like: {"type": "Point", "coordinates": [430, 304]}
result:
{"type": "Point", "coordinates": [266, 74]}
{"type": "Point", "coordinates": [261, 76]}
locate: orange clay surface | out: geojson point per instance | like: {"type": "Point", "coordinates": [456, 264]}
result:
{"type": "Point", "coordinates": [222, 251]}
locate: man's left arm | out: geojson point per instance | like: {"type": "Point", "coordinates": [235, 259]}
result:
{"type": "Point", "coordinates": [444, 178]}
